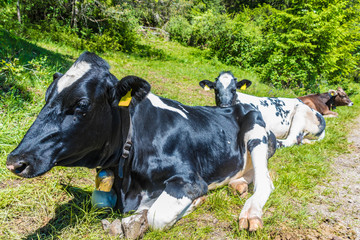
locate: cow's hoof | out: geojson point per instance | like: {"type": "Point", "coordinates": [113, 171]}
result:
{"type": "Point", "coordinates": [240, 187]}
{"type": "Point", "coordinates": [255, 224]}
{"type": "Point", "coordinates": [136, 225]}
{"type": "Point", "coordinates": [197, 202]}
{"type": "Point", "coordinates": [252, 224]}
{"type": "Point", "coordinates": [243, 223]}
{"type": "Point", "coordinates": [307, 141]}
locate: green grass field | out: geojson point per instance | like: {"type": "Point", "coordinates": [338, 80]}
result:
{"type": "Point", "coordinates": [57, 205]}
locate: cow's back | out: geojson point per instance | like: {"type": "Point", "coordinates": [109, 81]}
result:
{"type": "Point", "coordinates": [277, 112]}
{"type": "Point", "coordinates": [175, 137]}
{"type": "Point", "coordinates": [317, 102]}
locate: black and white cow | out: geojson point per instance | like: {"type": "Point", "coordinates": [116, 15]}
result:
{"type": "Point", "coordinates": [292, 121]}
{"type": "Point", "coordinates": [174, 153]}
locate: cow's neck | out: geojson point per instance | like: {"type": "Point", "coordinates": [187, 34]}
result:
{"type": "Point", "coordinates": [113, 149]}
{"type": "Point", "coordinates": [329, 100]}
{"type": "Point", "coordinates": [125, 187]}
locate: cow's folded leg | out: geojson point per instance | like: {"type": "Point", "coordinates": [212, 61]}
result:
{"type": "Point", "coordinates": [330, 114]}
{"type": "Point", "coordinates": [104, 196]}
{"type": "Point", "coordinates": [174, 202]}
{"type": "Point", "coordinates": [240, 185]}
{"type": "Point", "coordinates": [196, 203]}
{"type": "Point", "coordinates": [306, 123]}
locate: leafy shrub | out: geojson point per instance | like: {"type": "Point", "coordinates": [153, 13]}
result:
{"type": "Point", "coordinates": [179, 29]}
{"type": "Point", "coordinates": [118, 32]}
{"type": "Point", "coordinates": [97, 25]}
{"type": "Point", "coordinates": [115, 31]}
{"type": "Point", "coordinates": [156, 13]}
{"type": "Point", "coordinates": [302, 49]}
{"type": "Point", "coordinates": [207, 26]}
{"type": "Point", "coordinates": [237, 43]}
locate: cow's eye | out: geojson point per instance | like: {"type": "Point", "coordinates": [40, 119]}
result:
{"type": "Point", "coordinates": [82, 107]}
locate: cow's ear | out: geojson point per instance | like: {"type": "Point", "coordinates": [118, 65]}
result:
{"type": "Point", "coordinates": [243, 84]}
{"type": "Point", "coordinates": [206, 84]}
{"type": "Point", "coordinates": [57, 75]}
{"type": "Point", "coordinates": [340, 89]}
{"type": "Point", "coordinates": [131, 87]}
{"type": "Point", "coordinates": [332, 92]}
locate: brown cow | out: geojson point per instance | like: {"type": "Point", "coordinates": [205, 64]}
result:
{"type": "Point", "coordinates": [323, 102]}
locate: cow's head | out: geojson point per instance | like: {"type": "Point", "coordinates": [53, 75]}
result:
{"type": "Point", "coordinates": [225, 86]}
{"type": "Point", "coordinates": [81, 122]}
{"type": "Point", "coordinates": [340, 98]}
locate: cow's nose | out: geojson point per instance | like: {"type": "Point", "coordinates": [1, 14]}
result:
{"type": "Point", "coordinates": [350, 104]}
{"type": "Point", "coordinates": [16, 166]}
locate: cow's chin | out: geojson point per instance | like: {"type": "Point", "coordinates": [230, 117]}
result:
{"type": "Point", "coordinates": [30, 172]}
{"type": "Point", "coordinates": [77, 161]}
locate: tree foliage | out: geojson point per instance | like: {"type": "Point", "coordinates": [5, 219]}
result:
{"type": "Point", "coordinates": [305, 47]}
{"type": "Point", "coordinates": [294, 44]}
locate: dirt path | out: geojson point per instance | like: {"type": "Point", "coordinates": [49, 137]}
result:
{"type": "Point", "coordinates": [338, 204]}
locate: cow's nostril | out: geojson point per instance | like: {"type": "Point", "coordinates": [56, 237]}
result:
{"type": "Point", "coordinates": [18, 167]}
{"type": "Point", "coordinates": [21, 167]}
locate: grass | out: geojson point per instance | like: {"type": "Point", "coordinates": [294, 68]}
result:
{"type": "Point", "coordinates": [57, 205]}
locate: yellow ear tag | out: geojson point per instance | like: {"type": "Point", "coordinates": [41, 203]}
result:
{"type": "Point", "coordinates": [332, 93]}
{"type": "Point", "coordinates": [206, 88]}
{"type": "Point", "coordinates": [125, 100]}
{"type": "Point", "coordinates": [243, 87]}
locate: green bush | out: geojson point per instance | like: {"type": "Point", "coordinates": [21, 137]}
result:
{"type": "Point", "coordinates": [237, 43]}
{"type": "Point", "coordinates": [179, 29]}
{"type": "Point", "coordinates": [118, 32]}
{"type": "Point", "coordinates": [97, 26]}
{"type": "Point", "coordinates": [207, 26]}
{"type": "Point", "coordinates": [304, 48]}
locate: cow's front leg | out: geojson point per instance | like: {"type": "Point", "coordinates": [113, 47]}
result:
{"type": "Point", "coordinates": [250, 216]}
{"type": "Point", "coordinates": [174, 202]}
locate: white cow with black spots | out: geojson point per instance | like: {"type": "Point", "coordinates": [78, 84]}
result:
{"type": "Point", "coordinates": [289, 119]}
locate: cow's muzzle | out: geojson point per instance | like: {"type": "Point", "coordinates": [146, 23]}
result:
{"type": "Point", "coordinates": [18, 165]}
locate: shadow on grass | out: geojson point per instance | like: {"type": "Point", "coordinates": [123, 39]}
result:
{"type": "Point", "coordinates": [66, 214]}
{"type": "Point", "coordinates": [13, 47]}
{"type": "Point", "coordinates": [149, 52]}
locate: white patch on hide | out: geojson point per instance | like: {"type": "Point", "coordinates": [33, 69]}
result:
{"type": "Point", "coordinates": [225, 79]}
{"type": "Point", "coordinates": [167, 210]}
{"type": "Point", "coordinates": [73, 74]}
{"type": "Point", "coordinates": [156, 102]}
